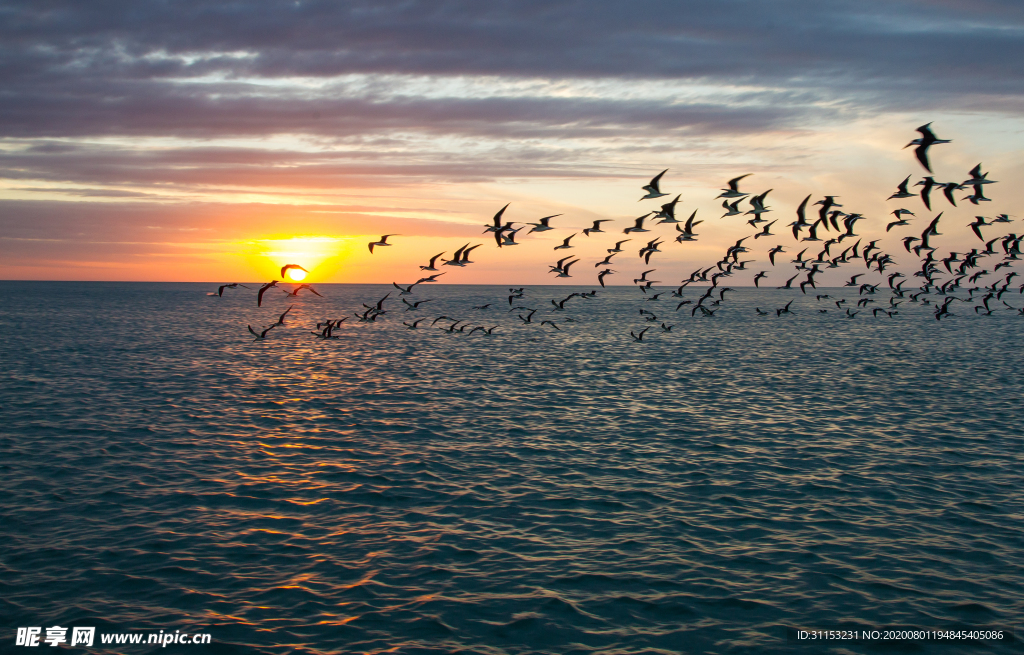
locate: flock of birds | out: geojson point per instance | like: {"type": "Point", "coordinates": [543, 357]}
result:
{"type": "Point", "coordinates": [829, 228]}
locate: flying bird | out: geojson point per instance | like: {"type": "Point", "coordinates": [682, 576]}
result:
{"type": "Point", "coordinates": [220, 290]}
{"type": "Point", "coordinates": [732, 209]}
{"type": "Point", "coordinates": [639, 337]}
{"type": "Point", "coordinates": [668, 212]}
{"type": "Point", "coordinates": [687, 233]}
{"type": "Point", "coordinates": [497, 221]}
{"type": "Point", "coordinates": [430, 266]}
{"type": "Point", "coordinates": [260, 335]}
{"type": "Point", "coordinates": [652, 188]}
{"type": "Point", "coordinates": [927, 140]}
{"type": "Point", "coordinates": [296, 290]}
{"type": "Point", "coordinates": [263, 289]}
{"type": "Point", "coordinates": [898, 213]}
{"type": "Point", "coordinates": [542, 226]}
{"type": "Point", "coordinates": [565, 243]}
{"type": "Point", "coordinates": [383, 242]}
{"type": "Point", "coordinates": [979, 222]}
{"type": "Point", "coordinates": [733, 190]}
{"type": "Point", "coordinates": [901, 190]}
{"type": "Point", "coordinates": [638, 227]}
{"type": "Point", "coordinates": [288, 267]}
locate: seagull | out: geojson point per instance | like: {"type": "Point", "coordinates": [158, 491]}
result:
{"type": "Point", "coordinates": [432, 278]}
{"type": "Point", "coordinates": [927, 140]}
{"type": "Point", "coordinates": [652, 189]}
{"type": "Point", "coordinates": [947, 190]}
{"type": "Point", "coordinates": [412, 326]}
{"type": "Point", "coordinates": [901, 190]}
{"type": "Point", "coordinates": [668, 212]}
{"type": "Point", "coordinates": [497, 221]}
{"type": "Point", "coordinates": [602, 274]}
{"type": "Point", "coordinates": [565, 244]}
{"type": "Point", "coordinates": [260, 335]}
{"type": "Point", "coordinates": [731, 209]}
{"type": "Point", "coordinates": [812, 233]}
{"type": "Point", "coordinates": [759, 276]}
{"type": "Point", "coordinates": [542, 226]}
{"type": "Point", "coordinates": [288, 267]}
{"type": "Point", "coordinates": [650, 249]}
{"type": "Point", "coordinates": [932, 228]}
{"type": "Point", "coordinates": [327, 332]}
{"type": "Point", "coordinates": [383, 242]}
{"type": "Point", "coordinates": [430, 266]}
{"type": "Point", "coordinates": [456, 259]}
{"type": "Point", "coordinates": [979, 222]}
{"type": "Point", "coordinates": [296, 290]}
{"type": "Point", "coordinates": [927, 184]}
{"type": "Point", "coordinates": [596, 228]}
{"type": "Point", "coordinates": [733, 190]}
{"type": "Point", "coordinates": [565, 269]}
{"type": "Point", "coordinates": [643, 276]}
{"type": "Point", "coordinates": [687, 233]}
{"type": "Point", "coordinates": [263, 289]}
{"type": "Point", "coordinates": [465, 255]}
{"type": "Point", "coordinates": [977, 177]}
{"type": "Point", "coordinates": [618, 245]}
{"type": "Point", "coordinates": [765, 232]}
{"type": "Point", "coordinates": [772, 253]}
{"type": "Point", "coordinates": [639, 337]}
{"type": "Point", "coordinates": [757, 202]}
{"type": "Point", "coordinates": [413, 305]}
{"type": "Point", "coordinates": [507, 238]}
{"type": "Point", "coordinates": [638, 227]}
{"type": "Point", "coordinates": [557, 268]}
{"type": "Point", "coordinates": [280, 319]}
{"type": "Point", "coordinates": [898, 213]}
{"type": "Point", "coordinates": [801, 218]}
{"type": "Point", "coordinates": [220, 290]}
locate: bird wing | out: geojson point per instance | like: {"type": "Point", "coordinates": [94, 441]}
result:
{"type": "Point", "coordinates": [497, 217]}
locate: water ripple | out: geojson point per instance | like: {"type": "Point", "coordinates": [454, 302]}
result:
{"type": "Point", "coordinates": [529, 492]}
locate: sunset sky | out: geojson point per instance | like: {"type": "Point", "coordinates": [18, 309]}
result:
{"type": "Point", "coordinates": [201, 141]}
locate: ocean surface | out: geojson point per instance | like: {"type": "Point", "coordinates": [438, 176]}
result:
{"type": "Point", "coordinates": [535, 490]}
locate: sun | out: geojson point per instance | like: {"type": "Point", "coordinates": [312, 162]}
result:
{"type": "Point", "coordinates": [296, 274]}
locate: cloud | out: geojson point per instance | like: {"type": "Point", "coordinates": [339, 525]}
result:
{"type": "Point", "coordinates": [168, 123]}
{"type": "Point", "coordinates": [192, 69]}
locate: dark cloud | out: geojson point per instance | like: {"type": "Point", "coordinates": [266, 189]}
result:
{"type": "Point", "coordinates": [107, 68]}
{"type": "Point", "coordinates": [89, 193]}
{"type": "Point", "coordinates": [200, 116]}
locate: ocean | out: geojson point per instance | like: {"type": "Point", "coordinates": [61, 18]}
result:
{"type": "Point", "coordinates": [539, 489]}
